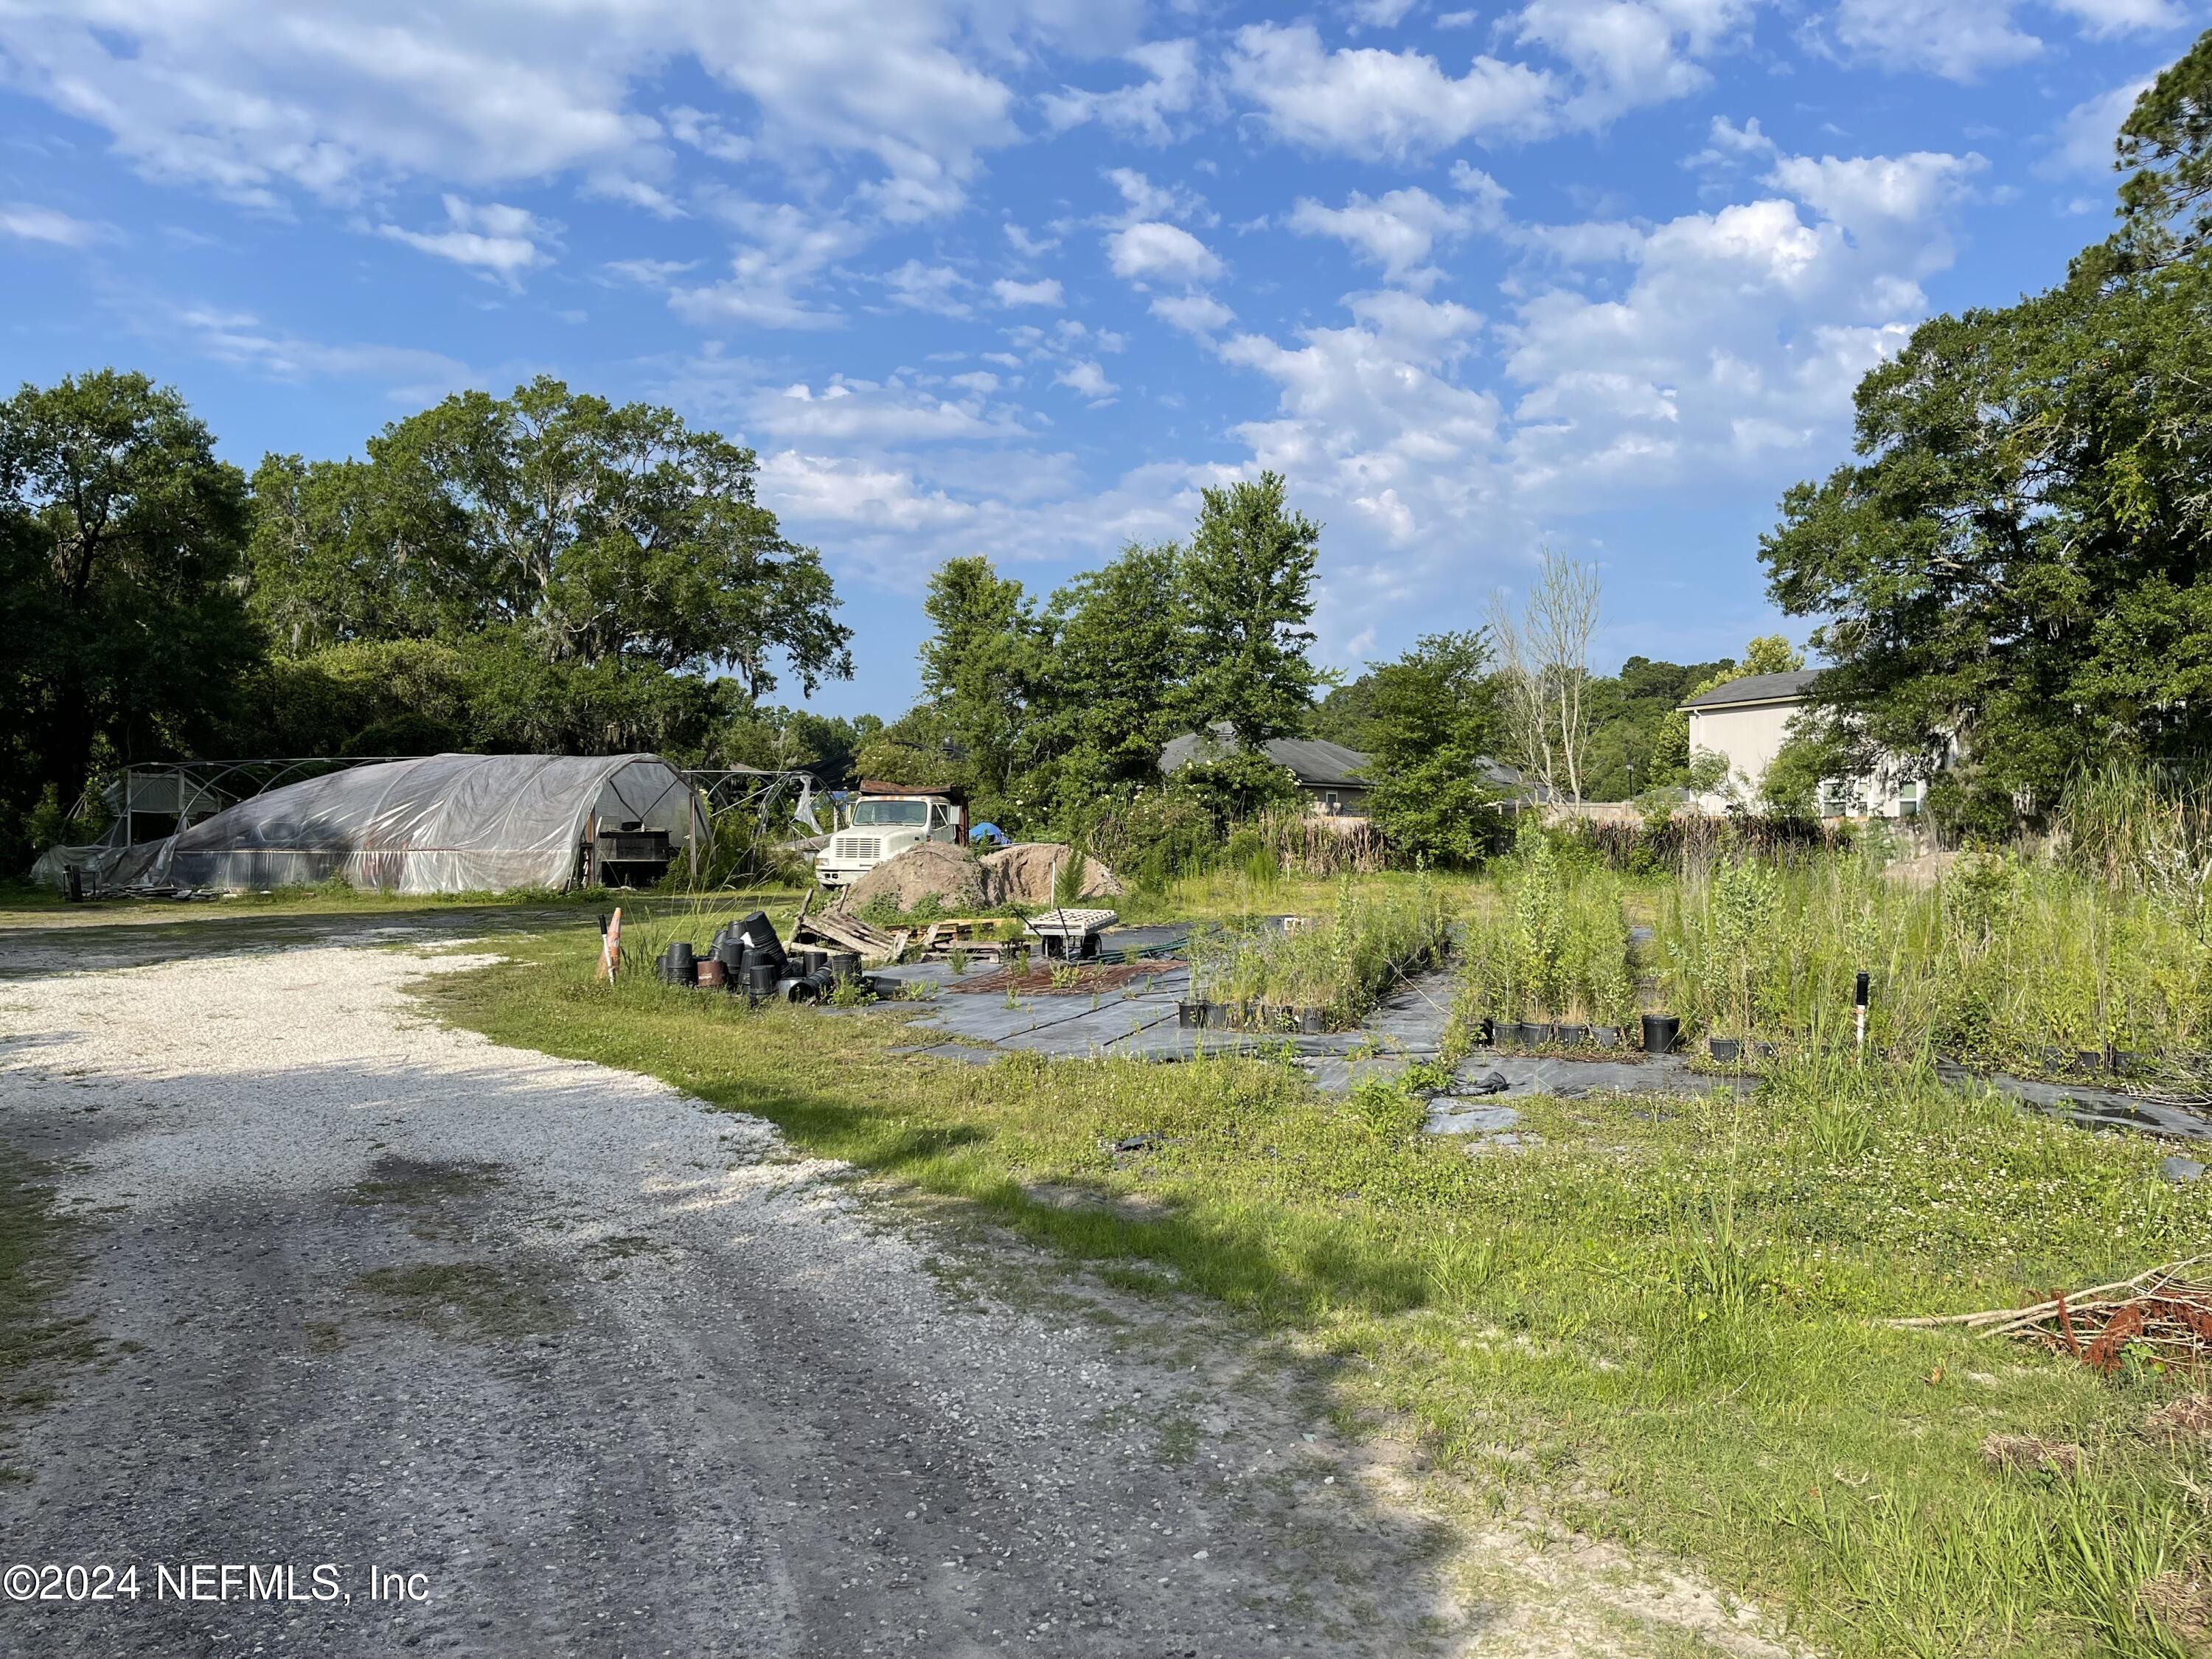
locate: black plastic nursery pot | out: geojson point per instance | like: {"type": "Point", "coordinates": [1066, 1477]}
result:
{"type": "Point", "coordinates": [1660, 1033]}
{"type": "Point", "coordinates": [1538, 1036]}
{"type": "Point", "coordinates": [1606, 1036]}
{"type": "Point", "coordinates": [1574, 1036]}
{"type": "Point", "coordinates": [1190, 1015]}
{"type": "Point", "coordinates": [845, 964]}
{"type": "Point", "coordinates": [1313, 1021]}
{"type": "Point", "coordinates": [1726, 1050]}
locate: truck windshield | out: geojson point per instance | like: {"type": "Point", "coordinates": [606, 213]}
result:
{"type": "Point", "coordinates": [880, 813]}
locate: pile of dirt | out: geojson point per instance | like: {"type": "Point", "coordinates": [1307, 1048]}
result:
{"type": "Point", "coordinates": [936, 869]}
{"type": "Point", "coordinates": [960, 882]}
{"type": "Point", "coordinates": [1022, 874]}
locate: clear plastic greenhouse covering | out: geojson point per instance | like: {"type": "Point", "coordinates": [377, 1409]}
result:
{"type": "Point", "coordinates": [445, 823]}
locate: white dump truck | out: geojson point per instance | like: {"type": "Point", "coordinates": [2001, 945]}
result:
{"type": "Point", "coordinates": [889, 819]}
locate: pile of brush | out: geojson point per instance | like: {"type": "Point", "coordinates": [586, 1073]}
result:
{"type": "Point", "coordinates": [2164, 1313]}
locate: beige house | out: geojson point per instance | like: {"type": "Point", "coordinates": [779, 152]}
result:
{"type": "Point", "coordinates": [1747, 721]}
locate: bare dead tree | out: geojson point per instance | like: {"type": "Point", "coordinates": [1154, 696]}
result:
{"type": "Point", "coordinates": [1526, 703]}
{"type": "Point", "coordinates": [1562, 609]}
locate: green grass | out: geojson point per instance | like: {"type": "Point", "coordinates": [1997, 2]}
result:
{"type": "Point", "coordinates": [1664, 1320]}
{"type": "Point", "coordinates": [23, 906]}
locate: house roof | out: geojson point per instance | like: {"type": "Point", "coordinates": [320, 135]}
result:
{"type": "Point", "coordinates": [1792, 687]}
{"type": "Point", "coordinates": [1313, 762]}
{"type": "Point", "coordinates": [1509, 780]}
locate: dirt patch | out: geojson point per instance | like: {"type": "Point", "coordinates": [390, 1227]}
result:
{"type": "Point", "coordinates": [2181, 1601]}
{"type": "Point", "coordinates": [1026, 872]}
{"type": "Point", "coordinates": [2030, 1454]}
{"type": "Point", "coordinates": [1063, 980]}
{"type": "Point", "coordinates": [933, 870]}
{"type": "Point", "coordinates": [1130, 1207]}
{"type": "Point", "coordinates": [2189, 1417]}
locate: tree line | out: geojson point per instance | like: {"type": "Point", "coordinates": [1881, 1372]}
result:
{"type": "Point", "coordinates": [553, 572]}
{"type": "Point", "coordinates": [547, 571]}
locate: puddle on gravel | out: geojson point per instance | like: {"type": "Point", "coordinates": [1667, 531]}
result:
{"type": "Point", "coordinates": [481, 1300]}
{"type": "Point", "coordinates": [415, 1181]}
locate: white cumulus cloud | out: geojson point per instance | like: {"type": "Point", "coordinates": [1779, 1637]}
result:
{"type": "Point", "coordinates": [1365, 102]}
{"type": "Point", "coordinates": [491, 236]}
{"type": "Point", "coordinates": [1151, 251]}
{"type": "Point", "coordinates": [1170, 88]}
{"type": "Point", "coordinates": [1194, 313]}
{"type": "Point", "coordinates": [1396, 231]}
{"type": "Point", "coordinates": [1044, 292]}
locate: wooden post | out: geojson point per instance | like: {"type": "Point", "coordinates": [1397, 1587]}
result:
{"type": "Point", "coordinates": [611, 947]}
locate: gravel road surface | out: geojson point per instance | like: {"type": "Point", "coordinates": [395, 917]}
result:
{"type": "Point", "coordinates": [596, 1369]}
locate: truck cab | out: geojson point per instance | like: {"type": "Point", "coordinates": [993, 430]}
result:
{"type": "Point", "coordinates": [887, 821]}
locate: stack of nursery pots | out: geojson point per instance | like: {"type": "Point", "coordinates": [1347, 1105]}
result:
{"type": "Point", "coordinates": [1544, 1033]}
{"type": "Point", "coordinates": [1196, 1012]}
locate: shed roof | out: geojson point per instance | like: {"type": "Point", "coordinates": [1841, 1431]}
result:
{"type": "Point", "coordinates": [1314, 762]}
{"type": "Point", "coordinates": [1792, 687]}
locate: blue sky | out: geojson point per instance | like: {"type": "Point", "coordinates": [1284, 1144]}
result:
{"type": "Point", "coordinates": [1021, 277]}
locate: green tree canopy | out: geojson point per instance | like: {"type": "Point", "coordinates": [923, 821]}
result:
{"type": "Point", "coordinates": [597, 532]}
{"type": "Point", "coordinates": [121, 535]}
{"type": "Point", "coordinates": [1433, 712]}
{"type": "Point", "coordinates": [2016, 562]}
{"type": "Point", "coordinates": [1248, 583]}
{"type": "Point", "coordinates": [979, 671]}
{"type": "Point", "coordinates": [1116, 653]}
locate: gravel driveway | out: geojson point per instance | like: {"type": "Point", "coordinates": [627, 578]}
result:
{"type": "Point", "coordinates": [612, 1372]}
{"type": "Point", "coordinates": [442, 1345]}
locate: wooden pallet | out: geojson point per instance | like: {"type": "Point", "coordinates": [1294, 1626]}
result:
{"type": "Point", "coordinates": [964, 932]}
{"type": "Point", "coordinates": [830, 930]}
